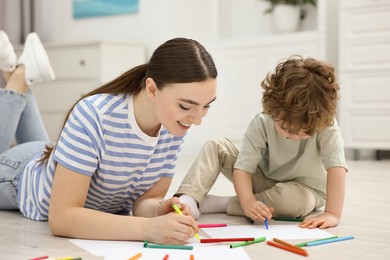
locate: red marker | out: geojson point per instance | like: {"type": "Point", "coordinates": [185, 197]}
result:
{"type": "Point", "coordinates": [40, 257]}
{"type": "Point", "coordinates": [216, 240]}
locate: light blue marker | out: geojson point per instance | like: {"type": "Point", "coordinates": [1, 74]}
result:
{"type": "Point", "coordinates": [337, 239]}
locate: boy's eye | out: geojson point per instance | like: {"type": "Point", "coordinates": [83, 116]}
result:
{"type": "Point", "coordinates": [183, 107]}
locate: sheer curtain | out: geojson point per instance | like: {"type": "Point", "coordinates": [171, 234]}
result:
{"type": "Point", "coordinates": [20, 17]}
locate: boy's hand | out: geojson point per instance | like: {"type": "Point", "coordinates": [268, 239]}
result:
{"type": "Point", "coordinates": [322, 221]}
{"type": "Point", "coordinates": [257, 210]}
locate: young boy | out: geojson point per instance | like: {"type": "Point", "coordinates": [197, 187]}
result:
{"type": "Point", "coordinates": [292, 159]}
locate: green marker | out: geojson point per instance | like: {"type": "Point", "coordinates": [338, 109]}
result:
{"type": "Point", "coordinates": [147, 245]}
{"type": "Point", "coordinates": [257, 240]}
{"type": "Point", "coordinates": [289, 219]}
{"type": "Point", "coordinates": [305, 243]}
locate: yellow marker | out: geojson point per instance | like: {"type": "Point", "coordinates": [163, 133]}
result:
{"type": "Point", "coordinates": [178, 211]}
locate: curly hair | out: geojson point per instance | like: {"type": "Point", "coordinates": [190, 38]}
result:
{"type": "Point", "coordinates": [302, 94]}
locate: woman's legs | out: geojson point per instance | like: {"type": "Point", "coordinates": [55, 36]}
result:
{"type": "Point", "coordinates": [19, 114]}
{"type": "Point", "coordinates": [12, 164]}
{"type": "Point", "coordinates": [20, 118]}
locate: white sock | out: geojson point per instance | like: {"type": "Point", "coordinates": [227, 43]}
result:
{"type": "Point", "coordinates": [214, 204]}
{"type": "Point", "coordinates": [192, 203]}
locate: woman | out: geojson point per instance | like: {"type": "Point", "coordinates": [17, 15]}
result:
{"type": "Point", "coordinates": [115, 158]}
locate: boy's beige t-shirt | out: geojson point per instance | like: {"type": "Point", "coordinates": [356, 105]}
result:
{"type": "Point", "coordinates": [281, 159]}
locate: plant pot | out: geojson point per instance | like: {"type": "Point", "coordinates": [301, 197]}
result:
{"type": "Point", "coordinates": [286, 18]}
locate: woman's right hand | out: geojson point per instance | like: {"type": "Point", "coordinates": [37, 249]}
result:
{"type": "Point", "coordinates": [172, 229]}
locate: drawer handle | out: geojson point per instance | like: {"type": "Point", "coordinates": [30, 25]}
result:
{"type": "Point", "coordinates": [82, 62]}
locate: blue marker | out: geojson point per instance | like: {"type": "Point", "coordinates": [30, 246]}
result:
{"type": "Point", "coordinates": [265, 221]}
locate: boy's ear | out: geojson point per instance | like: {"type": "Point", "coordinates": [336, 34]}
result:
{"type": "Point", "coordinates": [151, 88]}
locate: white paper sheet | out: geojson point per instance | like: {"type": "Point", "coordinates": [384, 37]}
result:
{"type": "Point", "coordinates": [274, 231]}
{"type": "Point", "coordinates": [117, 250]}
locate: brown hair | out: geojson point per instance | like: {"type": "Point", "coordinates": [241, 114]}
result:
{"type": "Point", "coordinates": [178, 60]}
{"type": "Point", "coordinates": [302, 94]}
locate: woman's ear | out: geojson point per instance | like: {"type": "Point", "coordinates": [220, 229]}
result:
{"type": "Point", "coordinates": [151, 88]}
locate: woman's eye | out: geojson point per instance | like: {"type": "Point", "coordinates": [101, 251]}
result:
{"type": "Point", "coordinates": [183, 107]}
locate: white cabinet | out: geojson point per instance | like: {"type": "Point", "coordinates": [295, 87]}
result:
{"type": "Point", "coordinates": [79, 68]}
{"type": "Point", "coordinates": [364, 57]}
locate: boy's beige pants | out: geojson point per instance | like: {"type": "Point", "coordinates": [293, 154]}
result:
{"type": "Point", "coordinates": [289, 199]}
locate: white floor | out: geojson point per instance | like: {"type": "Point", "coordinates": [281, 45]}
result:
{"type": "Point", "coordinates": [366, 216]}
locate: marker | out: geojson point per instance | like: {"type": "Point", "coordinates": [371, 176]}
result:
{"type": "Point", "coordinates": [69, 258]}
{"type": "Point", "coordinates": [305, 243]}
{"type": "Point", "coordinates": [40, 257]}
{"type": "Point", "coordinates": [266, 220]}
{"type": "Point", "coordinates": [178, 211]}
{"type": "Point", "coordinates": [216, 240]}
{"type": "Point", "coordinates": [299, 251]}
{"type": "Point", "coordinates": [212, 225]}
{"type": "Point", "coordinates": [257, 240]}
{"type": "Point", "coordinates": [285, 243]}
{"type": "Point", "coordinates": [135, 257]}
{"type": "Point", "coordinates": [192, 257]}
{"type": "Point", "coordinates": [249, 220]}
{"type": "Point", "coordinates": [329, 241]}
{"type": "Point", "coordinates": [289, 219]}
{"type": "Point", "coordinates": [147, 245]}
{"type": "Point", "coordinates": [166, 257]}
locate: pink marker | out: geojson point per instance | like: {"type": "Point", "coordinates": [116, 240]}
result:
{"type": "Point", "coordinates": [211, 225]}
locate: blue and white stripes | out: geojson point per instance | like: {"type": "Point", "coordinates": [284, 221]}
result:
{"type": "Point", "coordinates": [101, 139]}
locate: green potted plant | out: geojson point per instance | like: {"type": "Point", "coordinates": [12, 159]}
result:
{"type": "Point", "coordinates": [287, 14]}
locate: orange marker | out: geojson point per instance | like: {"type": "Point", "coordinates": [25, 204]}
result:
{"type": "Point", "coordinates": [287, 244]}
{"type": "Point", "coordinates": [192, 257]}
{"type": "Point", "coordinates": [299, 251]}
{"type": "Point", "coordinates": [135, 257]}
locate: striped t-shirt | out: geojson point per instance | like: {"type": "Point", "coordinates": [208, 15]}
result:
{"type": "Point", "coordinates": [101, 139]}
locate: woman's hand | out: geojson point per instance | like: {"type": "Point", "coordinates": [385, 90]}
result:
{"type": "Point", "coordinates": [322, 221]}
{"type": "Point", "coordinates": [171, 229]}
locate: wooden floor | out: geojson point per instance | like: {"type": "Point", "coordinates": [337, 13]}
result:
{"type": "Point", "coordinates": [366, 216]}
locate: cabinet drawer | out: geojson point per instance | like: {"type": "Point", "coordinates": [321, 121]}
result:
{"type": "Point", "coordinates": [348, 4]}
{"type": "Point", "coordinates": [366, 129]}
{"type": "Point", "coordinates": [61, 95]}
{"type": "Point", "coordinates": [365, 39]}
{"type": "Point", "coordinates": [371, 128]}
{"type": "Point", "coordinates": [365, 23]}
{"type": "Point", "coordinates": [75, 62]}
{"type": "Point", "coordinates": [366, 89]}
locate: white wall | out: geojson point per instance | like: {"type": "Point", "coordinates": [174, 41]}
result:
{"type": "Point", "coordinates": [156, 22]}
